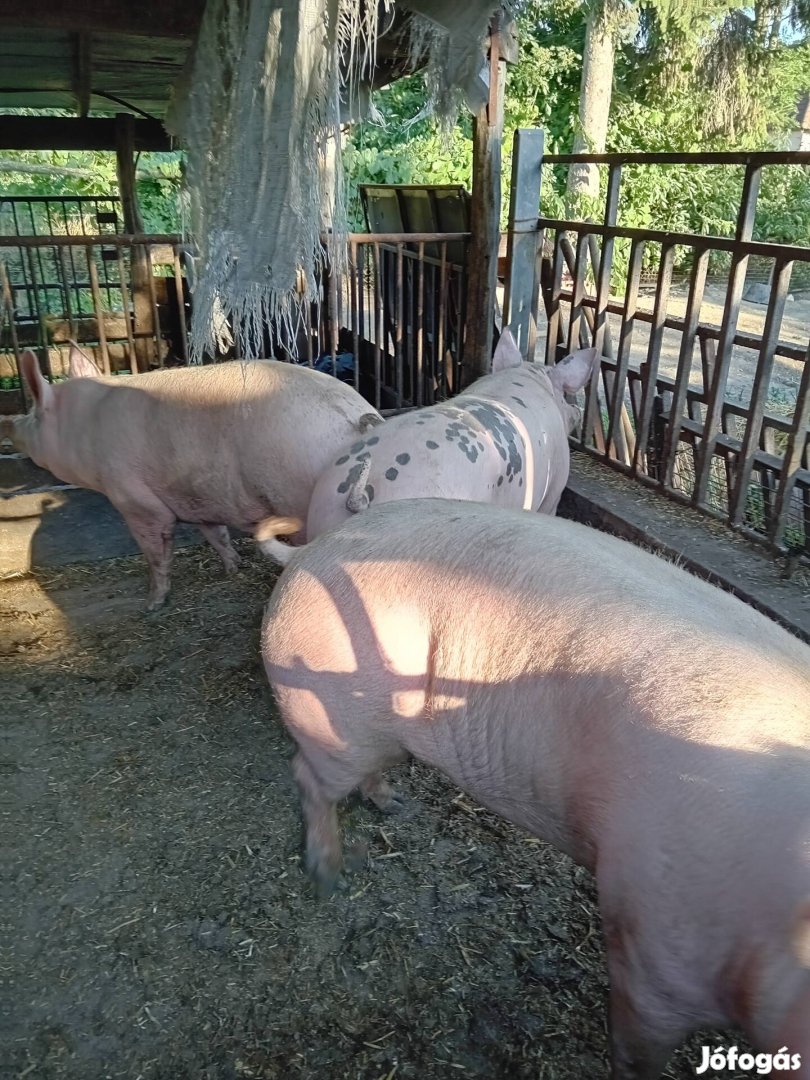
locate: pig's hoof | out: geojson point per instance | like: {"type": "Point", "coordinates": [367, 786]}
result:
{"type": "Point", "coordinates": [356, 856]}
{"type": "Point", "coordinates": [399, 804]}
{"type": "Point", "coordinates": [326, 877]}
{"type": "Point", "coordinates": [232, 565]}
{"type": "Point", "coordinates": [156, 606]}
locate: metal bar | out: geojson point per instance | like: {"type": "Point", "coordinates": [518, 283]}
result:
{"type": "Point", "coordinates": [8, 303]}
{"type": "Point", "coordinates": [759, 391]}
{"type": "Point", "coordinates": [553, 331]}
{"type": "Point", "coordinates": [575, 316]}
{"type": "Point", "coordinates": [125, 302]}
{"type": "Point", "coordinates": [40, 316]}
{"type": "Point", "coordinates": [697, 283]}
{"type": "Point", "coordinates": [794, 453]}
{"type": "Point", "coordinates": [731, 312]}
{"type": "Point", "coordinates": [379, 328]}
{"type": "Point", "coordinates": [150, 274]}
{"type": "Point", "coordinates": [356, 303]}
{"type": "Point", "coordinates": [616, 403]}
{"type": "Point", "coordinates": [420, 325]}
{"type": "Point", "coordinates": [744, 157]}
{"type": "Point", "coordinates": [716, 243]}
{"type": "Point", "coordinates": [440, 375]}
{"type": "Point", "coordinates": [181, 303]}
{"type": "Point", "coordinates": [650, 368]}
{"type": "Point", "coordinates": [746, 341]}
{"type": "Point", "coordinates": [99, 313]}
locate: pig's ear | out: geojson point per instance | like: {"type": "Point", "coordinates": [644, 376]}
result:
{"type": "Point", "coordinates": [507, 354]}
{"type": "Point", "coordinates": [41, 389]}
{"type": "Point", "coordinates": [575, 371]}
{"type": "Point", "coordinates": [80, 365]}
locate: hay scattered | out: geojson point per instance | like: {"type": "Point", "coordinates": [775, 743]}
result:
{"type": "Point", "coordinates": [164, 929]}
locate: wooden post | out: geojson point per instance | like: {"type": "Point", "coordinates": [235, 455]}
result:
{"type": "Point", "coordinates": [485, 212]}
{"type": "Point", "coordinates": [520, 299]}
{"type": "Point", "coordinates": [140, 270]}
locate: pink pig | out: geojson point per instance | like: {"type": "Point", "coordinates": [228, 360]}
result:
{"type": "Point", "coordinates": [227, 444]}
{"type": "Point", "coordinates": [504, 440]}
{"type": "Point", "coordinates": [652, 727]}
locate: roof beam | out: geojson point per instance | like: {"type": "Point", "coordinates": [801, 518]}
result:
{"type": "Point", "coordinates": [155, 18]}
{"type": "Point", "coordinates": [62, 133]}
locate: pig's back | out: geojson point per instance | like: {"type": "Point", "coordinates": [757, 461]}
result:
{"type": "Point", "coordinates": [220, 442]}
{"type": "Point", "coordinates": [506, 591]}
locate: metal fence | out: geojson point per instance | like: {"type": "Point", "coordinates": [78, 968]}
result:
{"type": "Point", "coordinates": [391, 324]}
{"type": "Point", "coordinates": [744, 461]}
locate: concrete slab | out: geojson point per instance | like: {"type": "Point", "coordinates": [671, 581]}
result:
{"type": "Point", "coordinates": [606, 499]}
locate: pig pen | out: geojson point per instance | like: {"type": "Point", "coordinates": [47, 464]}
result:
{"type": "Point", "coordinates": [161, 927]}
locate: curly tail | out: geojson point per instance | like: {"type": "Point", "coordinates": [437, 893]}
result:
{"type": "Point", "coordinates": [265, 535]}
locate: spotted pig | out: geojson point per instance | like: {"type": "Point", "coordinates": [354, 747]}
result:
{"type": "Point", "coordinates": [502, 441]}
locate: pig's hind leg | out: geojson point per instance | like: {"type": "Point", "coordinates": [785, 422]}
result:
{"type": "Point", "coordinates": [220, 540]}
{"type": "Point", "coordinates": [378, 791]}
{"type": "Point", "coordinates": [151, 523]}
{"type": "Point", "coordinates": [324, 778]}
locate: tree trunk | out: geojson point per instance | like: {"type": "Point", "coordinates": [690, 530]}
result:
{"type": "Point", "coordinates": [594, 103]}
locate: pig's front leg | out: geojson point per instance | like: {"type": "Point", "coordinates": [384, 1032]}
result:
{"type": "Point", "coordinates": [220, 540]}
{"type": "Point", "coordinates": [152, 526]}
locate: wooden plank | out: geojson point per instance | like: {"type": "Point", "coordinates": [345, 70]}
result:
{"type": "Point", "coordinates": [157, 18]}
{"type": "Point", "coordinates": [485, 212]}
{"type": "Point", "coordinates": [522, 235]}
{"type": "Point", "coordinates": [140, 267]}
{"type": "Point", "coordinates": [90, 133]}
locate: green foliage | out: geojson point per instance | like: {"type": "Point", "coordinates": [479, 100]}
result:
{"type": "Point", "coordinates": [60, 172]}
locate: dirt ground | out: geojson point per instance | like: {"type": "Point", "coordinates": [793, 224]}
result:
{"type": "Point", "coordinates": [161, 925]}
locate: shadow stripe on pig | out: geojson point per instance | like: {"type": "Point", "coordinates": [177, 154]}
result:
{"type": "Point", "coordinates": [651, 726]}
{"type": "Point", "coordinates": [504, 440]}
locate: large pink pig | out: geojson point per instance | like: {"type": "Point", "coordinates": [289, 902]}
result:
{"type": "Point", "coordinates": [237, 444]}
{"type": "Point", "coordinates": [504, 440]}
{"type": "Point", "coordinates": [651, 726]}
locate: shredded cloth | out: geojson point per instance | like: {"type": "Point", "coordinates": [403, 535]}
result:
{"type": "Point", "coordinates": [258, 109]}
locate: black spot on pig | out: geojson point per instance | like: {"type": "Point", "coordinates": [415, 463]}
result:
{"type": "Point", "coordinates": [520, 401]}
{"type": "Point", "coordinates": [342, 460]}
{"type": "Point", "coordinates": [355, 448]}
{"type": "Point", "coordinates": [403, 459]}
{"type": "Point", "coordinates": [370, 493]}
{"type": "Point", "coordinates": [500, 481]}
{"type": "Point", "coordinates": [351, 478]}
{"type": "Point", "coordinates": [501, 430]}
{"type": "Point", "coordinates": [391, 474]}
{"type": "Point", "coordinates": [373, 440]}
{"type": "Point", "coordinates": [431, 445]}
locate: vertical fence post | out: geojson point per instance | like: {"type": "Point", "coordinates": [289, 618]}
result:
{"type": "Point", "coordinates": [520, 302]}
{"type": "Point", "coordinates": [485, 212]}
{"type": "Point", "coordinates": [140, 268]}
{"type": "Point", "coordinates": [728, 330]}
